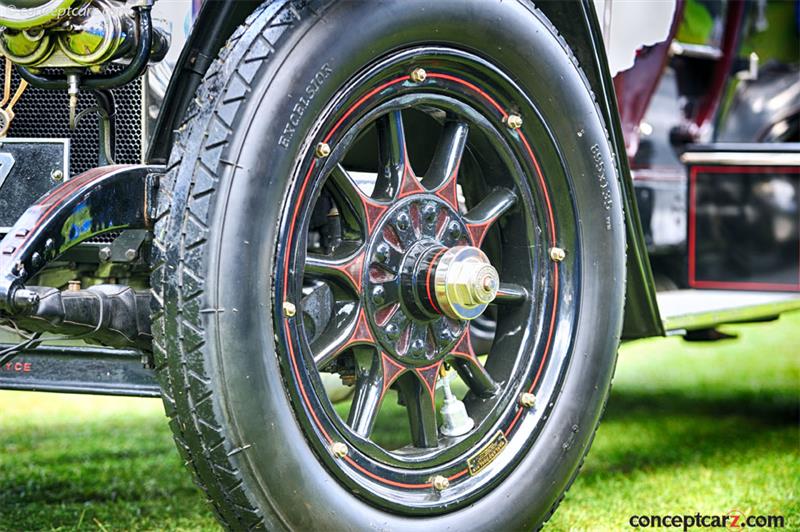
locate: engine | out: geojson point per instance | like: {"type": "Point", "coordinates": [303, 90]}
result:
{"type": "Point", "coordinates": [73, 33]}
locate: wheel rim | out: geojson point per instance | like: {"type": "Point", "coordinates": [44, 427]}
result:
{"type": "Point", "coordinates": [389, 330]}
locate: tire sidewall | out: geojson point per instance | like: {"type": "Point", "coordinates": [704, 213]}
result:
{"type": "Point", "coordinates": [292, 487]}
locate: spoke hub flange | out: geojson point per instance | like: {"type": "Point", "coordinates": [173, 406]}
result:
{"type": "Point", "coordinates": [400, 302]}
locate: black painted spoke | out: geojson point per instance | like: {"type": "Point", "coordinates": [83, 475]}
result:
{"type": "Point", "coordinates": [447, 158]}
{"type": "Point", "coordinates": [492, 206]}
{"type": "Point", "coordinates": [475, 376]}
{"type": "Point", "coordinates": [347, 328]}
{"type": "Point", "coordinates": [483, 215]}
{"type": "Point", "coordinates": [367, 398]}
{"type": "Point", "coordinates": [318, 304]}
{"type": "Point", "coordinates": [327, 346]}
{"type": "Point", "coordinates": [421, 411]}
{"type": "Point", "coordinates": [344, 266]}
{"type": "Point", "coordinates": [392, 155]}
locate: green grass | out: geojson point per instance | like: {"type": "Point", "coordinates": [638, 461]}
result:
{"type": "Point", "coordinates": [690, 428]}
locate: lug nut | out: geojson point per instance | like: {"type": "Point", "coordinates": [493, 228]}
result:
{"type": "Point", "coordinates": [417, 347]}
{"type": "Point", "coordinates": [378, 295]}
{"type": "Point", "coordinates": [440, 483]}
{"type": "Point", "coordinates": [455, 231]}
{"type": "Point", "coordinates": [418, 75]}
{"type": "Point", "coordinates": [429, 213]}
{"type": "Point", "coordinates": [402, 221]}
{"type": "Point", "coordinates": [557, 254]}
{"type": "Point", "coordinates": [323, 150]}
{"type": "Point", "coordinates": [392, 331]}
{"type": "Point", "coordinates": [339, 449]}
{"type": "Point", "coordinates": [514, 121]}
{"type": "Point", "coordinates": [382, 253]}
{"type": "Point", "coordinates": [289, 309]}
{"type": "Point", "coordinates": [527, 400]}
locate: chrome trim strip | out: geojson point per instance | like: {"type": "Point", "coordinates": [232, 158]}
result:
{"type": "Point", "coordinates": [744, 314]}
{"type": "Point", "coordinates": [702, 51]}
{"type": "Point", "coordinates": [742, 158]}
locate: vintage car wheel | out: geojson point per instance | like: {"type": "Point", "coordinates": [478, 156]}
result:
{"type": "Point", "coordinates": [352, 185]}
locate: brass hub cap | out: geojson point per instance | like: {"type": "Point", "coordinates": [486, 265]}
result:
{"type": "Point", "coordinates": [465, 282]}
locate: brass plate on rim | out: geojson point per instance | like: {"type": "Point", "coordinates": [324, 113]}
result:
{"type": "Point", "coordinates": [487, 454]}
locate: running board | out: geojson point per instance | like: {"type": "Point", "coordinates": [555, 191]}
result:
{"type": "Point", "coordinates": [691, 310]}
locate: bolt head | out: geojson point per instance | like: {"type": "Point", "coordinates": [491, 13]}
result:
{"type": "Point", "coordinates": [105, 254]}
{"type": "Point", "coordinates": [418, 75]}
{"type": "Point", "coordinates": [339, 449]}
{"type": "Point", "coordinates": [57, 175]}
{"type": "Point", "coordinates": [527, 400]}
{"type": "Point", "coordinates": [440, 483]}
{"type": "Point", "coordinates": [289, 310]}
{"type": "Point", "coordinates": [130, 254]}
{"type": "Point", "coordinates": [322, 150]}
{"type": "Point", "coordinates": [557, 254]}
{"type": "Point", "coordinates": [514, 121]}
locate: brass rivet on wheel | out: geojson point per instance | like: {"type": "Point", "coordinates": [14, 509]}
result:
{"type": "Point", "coordinates": [514, 121]}
{"type": "Point", "coordinates": [527, 400]}
{"type": "Point", "coordinates": [418, 75]}
{"type": "Point", "coordinates": [339, 449]}
{"type": "Point", "coordinates": [440, 483]}
{"type": "Point", "coordinates": [557, 254]}
{"type": "Point", "coordinates": [289, 309]}
{"type": "Point", "coordinates": [323, 150]}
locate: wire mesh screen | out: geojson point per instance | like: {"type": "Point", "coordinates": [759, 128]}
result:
{"type": "Point", "coordinates": [45, 114]}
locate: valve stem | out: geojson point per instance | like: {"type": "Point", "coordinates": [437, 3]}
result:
{"type": "Point", "coordinates": [455, 419]}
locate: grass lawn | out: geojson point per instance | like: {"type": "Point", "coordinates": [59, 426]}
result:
{"type": "Point", "coordinates": [690, 428]}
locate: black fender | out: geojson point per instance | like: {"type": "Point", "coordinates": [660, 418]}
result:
{"type": "Point", "coordinates": [576, 22]}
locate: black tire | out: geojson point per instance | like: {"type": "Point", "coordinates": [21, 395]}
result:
{"type": "Point", "coordinates": [221, 205]}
